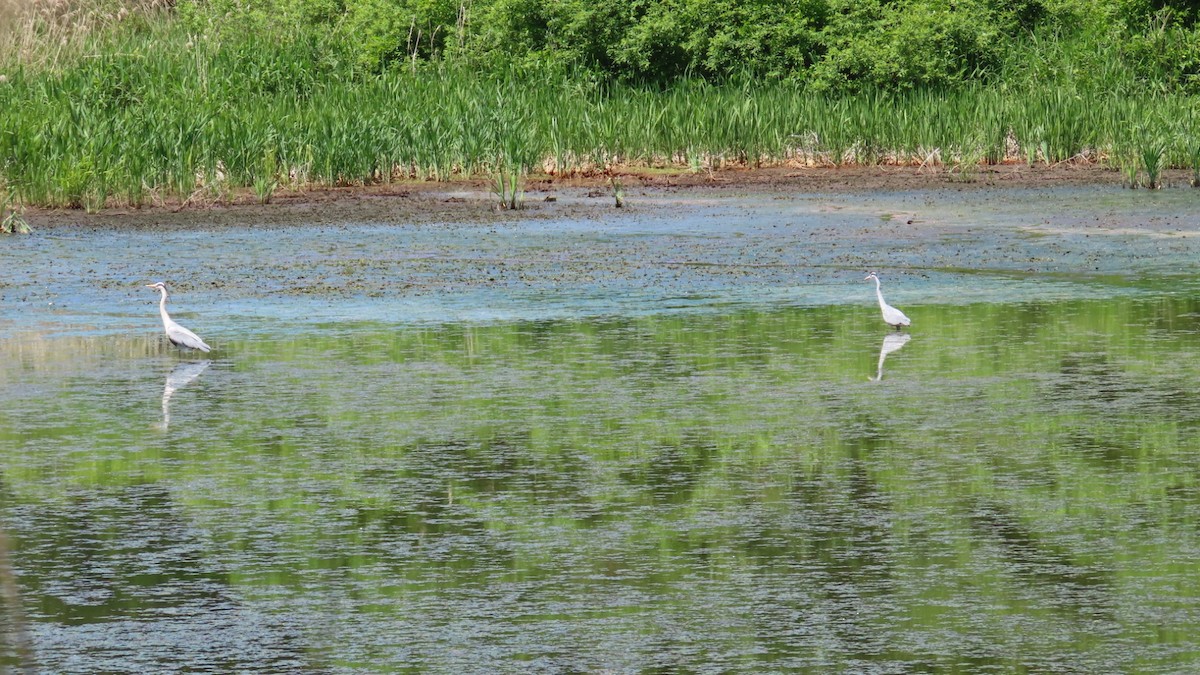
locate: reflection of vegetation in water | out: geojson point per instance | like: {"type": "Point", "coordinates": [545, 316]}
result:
{"type": "Point", "coordinates": [1024, 475]}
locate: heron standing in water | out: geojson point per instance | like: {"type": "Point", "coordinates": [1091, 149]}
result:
{"type": "Point", "coordinates": [178, 335]}
{"type": "Point", "coordinates": [891, 315]}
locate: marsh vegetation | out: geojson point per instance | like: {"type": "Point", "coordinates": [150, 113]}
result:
{"type": "Point", "coordinates": [196, 102]}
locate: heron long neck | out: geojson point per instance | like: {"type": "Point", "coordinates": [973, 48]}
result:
{"type": "Point", "coordinates": [878, 293]}
{"type": "Point", "coordinates": [162, 307]}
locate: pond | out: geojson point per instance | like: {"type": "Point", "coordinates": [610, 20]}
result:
{"type": "Point", "coordinates": [677, 438]}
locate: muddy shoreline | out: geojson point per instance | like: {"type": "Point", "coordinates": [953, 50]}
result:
{"type": "Point", "coordinates": [468, 201]}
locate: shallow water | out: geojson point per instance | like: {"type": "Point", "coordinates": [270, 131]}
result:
{"type": "Point", "coordinates": [679, 439]}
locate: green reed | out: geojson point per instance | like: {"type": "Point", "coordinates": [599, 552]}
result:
{"type": "Point", "coordinates": [507, 187]}
{"type": "Point", "coordinates": [1152, 156]}
{"type": "Point", "coordinates": [164, 116]}
{"type": "Point", "coordinates": [265, 182]}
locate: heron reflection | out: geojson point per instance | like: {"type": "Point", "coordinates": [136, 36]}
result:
{"type": "Point", "coordinates": [179, 376]}
{"type": "Point", "coordinates": [891, 342]}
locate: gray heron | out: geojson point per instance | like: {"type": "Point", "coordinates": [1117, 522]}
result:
{"type": "Point", "coordinates": [178, 335]}
{"type": "Point", "coordinates": [891, 315]}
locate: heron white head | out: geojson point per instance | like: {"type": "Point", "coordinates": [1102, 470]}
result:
{"type": "Point", "coordinates": [158, 286]}
{"type": "Point", "coordinates": [870, 276]}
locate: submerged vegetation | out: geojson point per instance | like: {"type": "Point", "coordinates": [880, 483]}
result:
{"type": "Point", "coordinates": [187, 101]}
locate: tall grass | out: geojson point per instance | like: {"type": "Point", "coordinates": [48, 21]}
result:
{"type": "Point", "coordinates": [152, 113]}
{"type": "Point", "coordinates": [44, 34]}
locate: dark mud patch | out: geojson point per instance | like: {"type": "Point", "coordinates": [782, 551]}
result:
{"type": "Point", "coordinates": [323, 208]}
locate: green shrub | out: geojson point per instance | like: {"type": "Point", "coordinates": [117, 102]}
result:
{"type": "Point", "coordinates": [1165, 54]}
{"type": "Point", "coordinates": [880, 44]}
{"type": "Point", "coordinates": [386, 32]}
{"type": "Point", "coordinates": [837, 45]}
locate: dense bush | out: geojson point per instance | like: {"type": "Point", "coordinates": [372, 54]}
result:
{"type": "Point", "coordinates": [902, 45]}
{"type": "Point", "coordinates": [836, 45]}
{"type": "Point", "coordinates": [658, 41]}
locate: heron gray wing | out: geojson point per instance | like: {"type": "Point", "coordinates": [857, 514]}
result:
{"type": "Point", "coordinates": [180, 336]}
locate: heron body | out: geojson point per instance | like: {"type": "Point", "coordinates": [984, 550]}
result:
{"type": "Point", "coordinates": [178, 335]}
{"type": "Point", "coordinates": [891, 315]}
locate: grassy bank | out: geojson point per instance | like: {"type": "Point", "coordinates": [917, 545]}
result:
{"type": "Point", "coordinates": [146, 111]}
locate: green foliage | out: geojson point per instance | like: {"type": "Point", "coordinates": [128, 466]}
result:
{"type": "Point", "coordinates": [715, 39]}
{"type": "Point", "coordinates": [204, 97]}
{"type": "Point", "coordinates": [1166, 54]}
{"type": "Point", "coordinates": [391, 31]}
{"type": "Point", "coordinates": [903, 45]}
{"type": "Point", "coordinates": [652, 42]}
{"type": "Point", "coordinates": [1134, 14]}
{"type": "Point", "coordinates": [837, 45]}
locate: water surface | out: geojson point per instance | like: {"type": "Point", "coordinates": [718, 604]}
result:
{"type": "Point", "coordinates": [680, 439]}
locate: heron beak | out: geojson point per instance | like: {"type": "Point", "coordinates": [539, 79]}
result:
{"type": "Point", "coordinates": [150, 286]}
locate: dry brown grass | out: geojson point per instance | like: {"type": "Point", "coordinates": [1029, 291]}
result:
{"type": "Point", "coordinates": [39, 34]}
